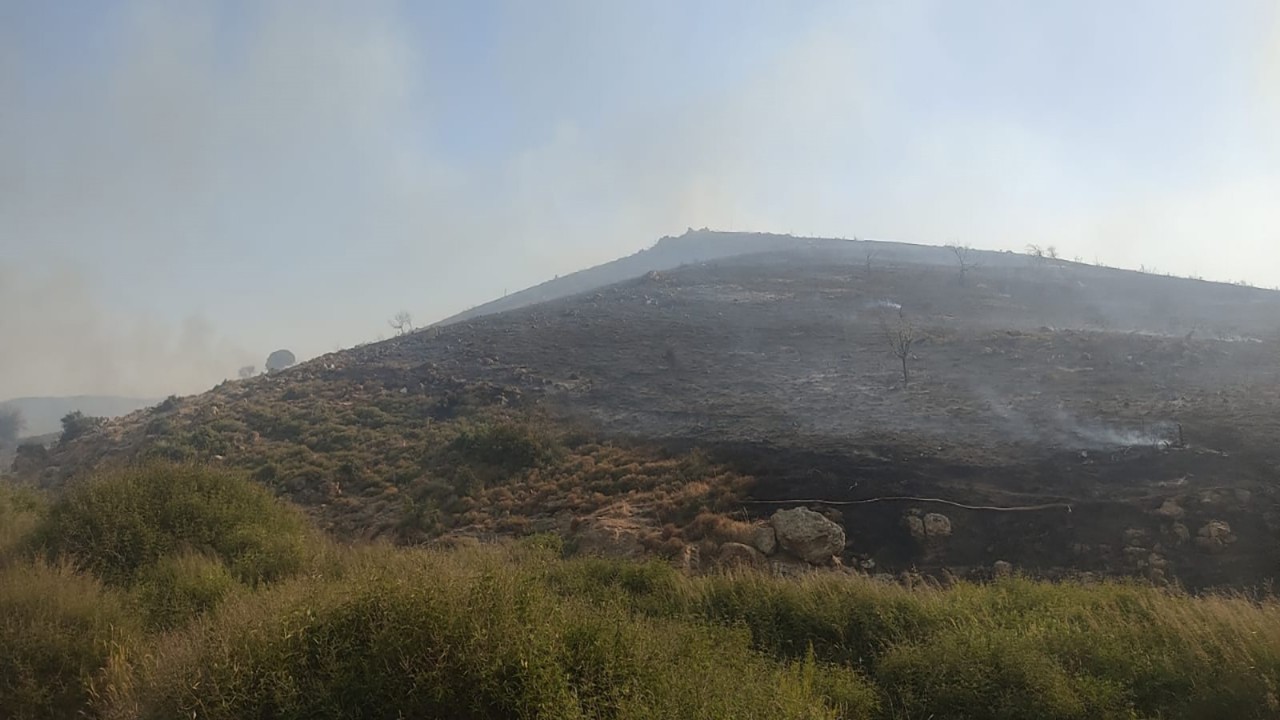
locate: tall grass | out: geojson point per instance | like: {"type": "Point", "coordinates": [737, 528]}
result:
{"type": "Point", "coordinates": [58, 627]}
{"type": "Point", "coordinates": [413, 634]}
{"type": "Point", "coordinates": [185, 626]}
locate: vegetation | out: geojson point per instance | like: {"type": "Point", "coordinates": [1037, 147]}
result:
{"type": "Point", "coordinates": [76, 424]}
{"type": "Point", "coordinates": [121, 523]}
{"type": "Point", "coordinates": [227, 628]}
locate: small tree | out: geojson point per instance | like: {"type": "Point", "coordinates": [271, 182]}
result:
{"type": "Point", "coordinates": [962, 257]}
{"type": "Point", "coordinates": [76, 424]}
{"type": "Point", "coordinates": [871, 257]}
{"type": "Point", "coordinates": [901, 335]}
{"type": "Point", "coordinates": [402, 323]}
{"type": "Point", "coordinates": [247, 372]}
{"type": "Point", "coordinates": [279, 360]}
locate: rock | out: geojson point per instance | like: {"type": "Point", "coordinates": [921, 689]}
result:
{"type": "Point", "coordinates": [937, 525]}
{"type": "Point", "coordinates": [1215, 535]}
{"type": "Point", "coordinates": [765, 539]}
{"type": "Point", "coordinates": [608, 537]}
{"type": "Point", "coordinates": [1170, 509]}
{"type": "Point", "coordinates": [915, 526]}
{"type": "Point", "coordinates": [1002, 568]}
{"type": "Point", "coordinates": [1243, 496]}
{"type": "Point", "coordinates": [808, 535]}
{"type": "Point", "coordinates": [738, 555]}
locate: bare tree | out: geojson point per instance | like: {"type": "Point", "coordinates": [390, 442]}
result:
{"type": "Point", "coordinates": [402, 323]}
{"type": "Point", "coordinates": [901, 335]}
{"type": "Point", "coordinates": [1051, 252]}
{"type": "Point", "coordinates": [962, 257]}
{"type": "Point", "coordinates": [1035, 251]}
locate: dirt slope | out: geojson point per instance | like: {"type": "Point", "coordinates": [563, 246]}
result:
{"type": "Point", "coordinates": [1128, 418]}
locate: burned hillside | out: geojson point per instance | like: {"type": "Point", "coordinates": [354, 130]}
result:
{"type": "Point", "coordinates": [1058, 418]}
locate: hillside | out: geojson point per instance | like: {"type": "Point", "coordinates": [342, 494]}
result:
{"type": "Point", "coordinates": [1062, 418]}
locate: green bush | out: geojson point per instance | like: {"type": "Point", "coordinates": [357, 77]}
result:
{"type": "Point", "coordinates": [123, 521]}
{"type": "Point", "coordinates": [58, 628]}
{"type": "Point", "coordinates": [76, 424]}
{"type": "Point", "coordinates": [413, 634]}
{"type": "Point", "coordinates": [179, 587]}
{"type": "Point", "coordinates": [506, 445]}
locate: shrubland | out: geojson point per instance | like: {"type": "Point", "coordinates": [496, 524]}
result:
{"type": "Point", "coordinates": [163, 591]}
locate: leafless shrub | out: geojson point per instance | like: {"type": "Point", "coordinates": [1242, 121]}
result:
{"type": "Point", "coordinates": [962, 257]}
{"type": "Point", "coordinates": [402, 323]}
{"type": "Point", "coordinates": [900, 333]}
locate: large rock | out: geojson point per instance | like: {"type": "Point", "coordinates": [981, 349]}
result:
{"type": "Point", "coordinates": [808, 535]}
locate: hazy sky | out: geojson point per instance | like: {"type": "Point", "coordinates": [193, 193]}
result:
{"type": "Point", "coordinates": [185, 187]}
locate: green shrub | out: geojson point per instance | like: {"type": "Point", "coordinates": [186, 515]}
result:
{"type": "Point", "coordinates": [413, 634]}
{"type": "Point", "coordinates": [76, 424]}
{"type": "Point", "coordinates": [57, 630]}
{"type": "Point", "coordinates": [179, 587]}
{"type": "Point", "coordinates": [123, 521]}
{"type": "Point", "coordinates": [506, 445]}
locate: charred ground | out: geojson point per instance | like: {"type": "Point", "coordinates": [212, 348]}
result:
{"type": "Point", "coordinates": [1121, 422]}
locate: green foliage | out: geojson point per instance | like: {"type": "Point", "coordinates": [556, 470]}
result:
{"type": "Point", "coordinates": [123, 521]}
{"type": "Point", "coordinates": [76, 424]}
{"type": "Point", "coordinates": [509, 446]}
{"type": "Point", "coordinates": [179, 587]}
{"type": "Point", "coordinates": [58, 628]}
{"type": "Point", "coordinates": [516, 630]}
{"type": "Point", "coordinates": [169, 404]}
{"type": "Point", "coordinates": [424, 635]}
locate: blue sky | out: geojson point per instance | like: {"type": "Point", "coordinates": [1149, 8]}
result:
{"type": "Point", "coordinates": [187, 186]}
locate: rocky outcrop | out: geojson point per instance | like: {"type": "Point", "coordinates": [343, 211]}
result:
{"type": "Point", "coordinates": [808, 535]}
